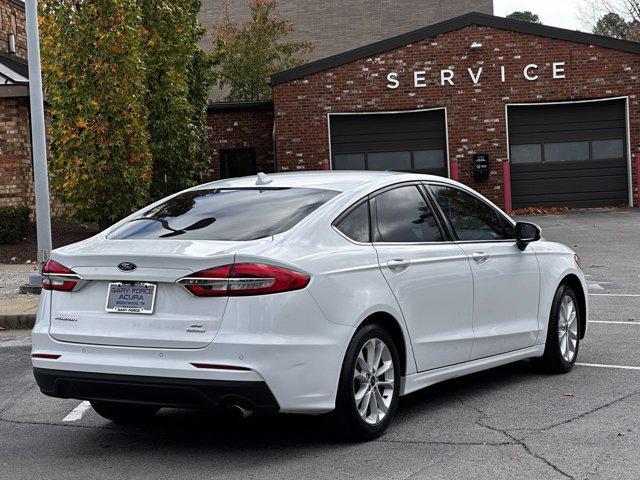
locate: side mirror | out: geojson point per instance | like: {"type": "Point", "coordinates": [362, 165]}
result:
{"type": "Point", "coordinates": [526, 233]}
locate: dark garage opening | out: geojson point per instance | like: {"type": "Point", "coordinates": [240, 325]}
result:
{"type": "Point", "coordinates": [569, 155]}
{"type": "Point", "coordinates": [406, 142]}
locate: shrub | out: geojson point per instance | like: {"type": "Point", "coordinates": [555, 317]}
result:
{"type": "Point", "coordinates": [14, 222]}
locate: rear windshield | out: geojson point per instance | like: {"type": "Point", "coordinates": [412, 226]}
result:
{"type": "Point", "coordinates": [226, 214]}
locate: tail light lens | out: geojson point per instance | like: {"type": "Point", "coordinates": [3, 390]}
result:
{"type": "Point", "coordinates": [58, 277]}
{"type": "Point", "coordinates": [243, 279]}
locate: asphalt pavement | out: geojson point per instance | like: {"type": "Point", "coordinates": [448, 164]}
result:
{"type": "Point", "coordinates": [507, 423]}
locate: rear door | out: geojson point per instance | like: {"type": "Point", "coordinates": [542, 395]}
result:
{"type": "Point", "coordinates": [506, 280]}
{"type": "Point", "coordinates": [429, 276]}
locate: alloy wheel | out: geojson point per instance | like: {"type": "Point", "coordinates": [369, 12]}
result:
{"type": "Point", "coordinates": [568, 328]}
{"type": "Point", "coordinates": [373, 381]}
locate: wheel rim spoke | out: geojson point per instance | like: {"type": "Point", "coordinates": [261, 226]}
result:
{"type": "Point", "coordinates": [373, 381]}
{"type": "Point", "coordinates": [364, 403]}
{"type": "Point", "coordinates": [568, 329]}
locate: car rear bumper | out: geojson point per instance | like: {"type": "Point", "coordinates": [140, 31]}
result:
{"type": "Point", "coordinates": [158, 391]}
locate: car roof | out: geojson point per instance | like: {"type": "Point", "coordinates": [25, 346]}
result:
{"type": "Point", "coordinates": [342, 181]}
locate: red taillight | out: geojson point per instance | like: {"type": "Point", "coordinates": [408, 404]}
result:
{"type": "Point", "coordinates": [243, 279]}
{"type": "Point", "coordinates": [58, 277]}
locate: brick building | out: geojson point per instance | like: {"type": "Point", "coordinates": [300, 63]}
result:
{"type": "Point", "coordinates": [553, 113]}
{"type": "Point", "coordinates": [16, 185]}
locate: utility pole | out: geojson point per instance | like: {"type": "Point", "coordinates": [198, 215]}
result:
{"type": "Point", "coordinates": [38, 136]}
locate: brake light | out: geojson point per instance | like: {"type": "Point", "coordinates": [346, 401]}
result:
{"type": "Point", "coordinates": [58, 277]}
{"type": "Point", "coordinates": [243, 279]}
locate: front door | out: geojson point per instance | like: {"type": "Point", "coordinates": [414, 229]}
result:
{"type": "Point", "coordinates": [429, 276]}
{"type": "Point", "coordinates": [506, 279]}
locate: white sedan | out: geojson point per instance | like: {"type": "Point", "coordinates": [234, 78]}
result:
{"type": "Point", "coordinates": [303, 293]}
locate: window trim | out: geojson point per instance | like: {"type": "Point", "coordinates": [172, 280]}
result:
{"type": "Point", "coordinates": [452, 232]}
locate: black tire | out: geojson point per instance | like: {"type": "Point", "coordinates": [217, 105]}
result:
{"type": "Point", "coordinates": [124, 413]}
{"type": "Point", "coordinates": [553, 361]}
{"type": "Point", "coordinates": [352, 425]}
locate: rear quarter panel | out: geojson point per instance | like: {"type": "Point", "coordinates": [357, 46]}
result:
{"type": "Point", "coordinates": [346, 281]}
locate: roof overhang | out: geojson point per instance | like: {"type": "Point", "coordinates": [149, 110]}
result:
{"type": "Point", "coordinates": [14, 71]}
{"type": "Point", "coordinates": [469, 19]}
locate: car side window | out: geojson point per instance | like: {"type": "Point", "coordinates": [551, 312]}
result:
{"type": "Point", "coordinates": [404, 216]}
{"type": "Point", "coordinates": [355, 225]}
{"type": "Point", "coordinates": [470, 217]}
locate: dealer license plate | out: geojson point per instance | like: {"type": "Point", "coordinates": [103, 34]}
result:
{"type": "Point", "coordinates": [131, 297]}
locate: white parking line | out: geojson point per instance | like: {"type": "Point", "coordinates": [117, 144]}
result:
{"type": "Point", "coordinates": [599, 365]}
{"type": "Point", "coordinates": [77, 413]}
{"type": "Point", "coordinates": [614, 295]}
{"type": "Point", "coordinates": [614, 322]}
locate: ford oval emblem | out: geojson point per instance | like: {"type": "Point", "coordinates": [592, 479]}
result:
{"type": "Point", "coordinates": [127, 266]}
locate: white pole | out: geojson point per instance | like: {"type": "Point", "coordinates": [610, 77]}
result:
{"type": "Point", "coordinates": [38, 135]}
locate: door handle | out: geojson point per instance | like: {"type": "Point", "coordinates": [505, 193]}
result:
{"type": "Point", "coordinates": [480, 257]}
{"type": "Point", "coordinates": [398, 265]}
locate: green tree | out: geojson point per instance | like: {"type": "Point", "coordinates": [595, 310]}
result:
{"type": "Point", "coordinates": [613, 25]}
{"type": "Point", "coordinates": [178, 79]}
{"type": "Point", "coordinates": [93, 72]}
{"type": "Point", "coordinates": [246, 54]}
{"type": "Point", "coordinates": [525, 16]}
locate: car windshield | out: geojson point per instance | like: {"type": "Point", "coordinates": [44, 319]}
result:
{"type": "Point", "coordinates": [225, 214]}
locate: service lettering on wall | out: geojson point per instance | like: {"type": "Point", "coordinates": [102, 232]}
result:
{"type": "Point", "coordinates": [447, 76]}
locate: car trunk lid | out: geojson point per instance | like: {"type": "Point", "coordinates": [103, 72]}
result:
{"type": "Point", "coordinates": [178, 319]}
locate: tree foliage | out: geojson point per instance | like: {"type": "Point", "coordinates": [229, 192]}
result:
{"type": "Point", "coordinates": [93, 69]}
{"type": "Point", "coordinates": [612, 25]}
{"type": "Point", "coordinates": [178, 78]}
{"type": "Point", "coordinates": [247, 53]}
{"type": "Point", "coordinates": [613, 18]}
{"type": "Point", "coordinates": [525, 16]}
{"type": "Point", "coordinates": [127, 87]}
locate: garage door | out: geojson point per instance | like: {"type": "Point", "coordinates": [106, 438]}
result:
{"type": "Point", "coordinates": [572, 155]}
{"type": "Point", "coordinates": [408, 142]}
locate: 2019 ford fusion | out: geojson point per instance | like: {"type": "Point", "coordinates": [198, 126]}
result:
{"type": "Point", "coordinates": [303, 293]}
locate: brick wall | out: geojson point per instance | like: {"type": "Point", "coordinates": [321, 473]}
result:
{"type": "Point", "coordinates": [335, 26]}
{"type": "Point", "coordinates": [16, 173]}
{"type": "Point", "coordinates": [476, 113]}
{"type": "Point", "coordinates": [16, 185]}
{"type": "Point", "coordinates": [241, 129]}
{"type": "Point", "coordinates": [12, 20]}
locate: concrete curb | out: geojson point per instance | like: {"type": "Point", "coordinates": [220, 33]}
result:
{"type": "Point", "coordinates": [24, 321]}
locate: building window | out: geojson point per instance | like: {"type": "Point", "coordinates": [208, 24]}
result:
{"type": "Point", "coordinates": [566, 151]}
{"type": "Point", "coordinates": [531, 153]}
{"type": "Point", "coordinates": [540, 153]}
{"type": "Point", "coordinates": [349, 161]}
{"type": "Point", "coordinates": [237, 162]}
{"type": "Point", "coordinates": [389, 161]}
{"type": "Point", "coordinates": [607, 149]}
{"type": "Point", "coordinates": [429, 161]}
